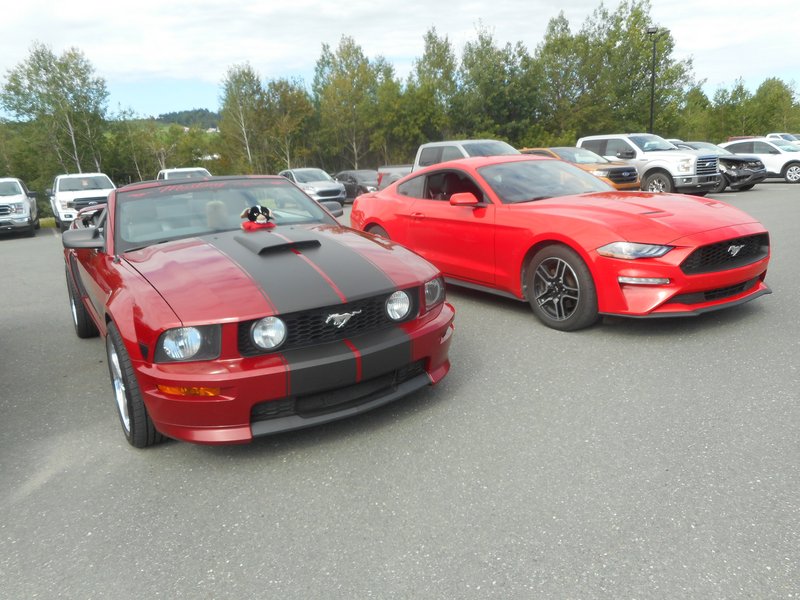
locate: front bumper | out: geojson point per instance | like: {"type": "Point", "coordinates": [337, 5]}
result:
{"type": "Point", "coordinates": [747, 178]}
{"type": "Point", "coordinates": [686, 184]}
{"type": "Point", "coordinates": [685, 294]}
{"type": "Point", "coordinates": [299, 388]}
{"type": "Point", "coordinates": [21, 224]}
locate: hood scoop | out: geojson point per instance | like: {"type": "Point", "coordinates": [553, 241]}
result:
{"type": "Point", "coordinates": [263, 243]}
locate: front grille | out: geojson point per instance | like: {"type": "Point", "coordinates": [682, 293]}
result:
{"type": "Point", "coordinates": [622, 175]}
{"type": "Point", "coordinates": [329, 193]}
{"type": "Point", "coordinates": [707, 165]}
{"type": "Point", "coordinates": [726, 255]}
{"type": "Point", "coordinates": [718, 294]}
{"type": "Point", "coordinates": [80, 203]}
{"type": "Point", "coordinates": [327, 401]}
{"type": "Point", "coordinates": [310, 327]}
{"type": "Point", "coordinates": [5, 209]}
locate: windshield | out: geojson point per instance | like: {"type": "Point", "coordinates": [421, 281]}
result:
{"type": "Point", "coordinates": [193, 208]}
{"type": "Point", "coordinates": [581, 156]}
{"type": "Point", "coordinates": [708, 147]}
{"type": "Point", "coordinates": [786, 146]}
{"type": "Point", "coordinates": [652, 143]}
{"type": "Point", "coordinates": [9, 188]}
{"type": "Point", "coordinates": [529, 180]}
{"type": "Point", "coordinates": [309, 175]}
{"type": "Point", "coordinates": [88, 182]}
{"type": "Point", "coordinates": [489, 148]}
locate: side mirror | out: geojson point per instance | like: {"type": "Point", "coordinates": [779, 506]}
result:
{"type": "Point", "coordinates": [464, 199]}
{"type": "Point", "coordinates": [49, 191]}
{"type": "Point", "coordinates": [626, 154]}
{"type": "Point", "coordinates": [336, 209]}
{"type": "Point", "coordinates": [82, 239]}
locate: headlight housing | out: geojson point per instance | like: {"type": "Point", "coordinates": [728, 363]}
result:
{"type": "Point", "coordinates": [434, 293]}
{"type": "Point", "coordinates": [633, 250]}
{"type": "Point", "coordinates": [600, 172]}
{"type": "Point", "coordinates": [398, 305]}
{"type": "Point", "coordinates": [685, 166]}
{"type": "Point", "coordinates": [268, 333]}
{"type": "Point", "coordinates": [183, 344]}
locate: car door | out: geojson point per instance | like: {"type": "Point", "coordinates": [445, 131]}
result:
{"type": "Point", "coordinates": [772, 158]}
{"type": "Point", "coordinates": [460, 240]}
{"type": "Point", "coordinates": [95, 272]}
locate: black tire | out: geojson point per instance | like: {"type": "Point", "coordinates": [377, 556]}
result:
{"type": "Point", "coordinates": [791, 173]}
{"type": "Point", "coordinates": [136, 423]}
{"type": "Point", "coordinates": [560, 289]}
{"type": "Point", "coordinates": [378, 230]}
{"type": "Point", "coordinates": [744, 188]}
{"type": "Point", "coordinates": [720, 187]}
{"type": "Point", "coordinates": [658, 181]}
{"type": "Point", "coordinates": [84, 326]}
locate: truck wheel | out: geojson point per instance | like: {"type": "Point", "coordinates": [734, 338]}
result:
{"type": "Point", "coordinates": [136, 424]}
{"type": "Point", "coordinates": [791, 173]}
{"type": "Point", "coordinates": [560, 289]}
{"type": "Point", "coordinates": [84, 326]}
{"type": "Point", "coordinates": [658, 181]}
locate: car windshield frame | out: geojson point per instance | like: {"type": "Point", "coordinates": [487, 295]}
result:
{"type": "Point", "coordinates": [7, 189]}
{"type": "Point", "coordinates": [311, 175]}
{"type": "Point", "coordinates": [648, 142]}
{"type": "Point", "coordinates": [516, 182]}
{"type": "Point", "coordinates": [82, 183]}
{"type": "Point", "coordinates": [146, 216]}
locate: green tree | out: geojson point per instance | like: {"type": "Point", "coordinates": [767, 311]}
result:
{"type": "Point", "coordinates": [773, 107]}
{"type": "Point", "coordinates": [63, 97]}
{"type": "Point", "coordinates": [289, 111]}
{"type": "Point", "coordinates": [242, 120]}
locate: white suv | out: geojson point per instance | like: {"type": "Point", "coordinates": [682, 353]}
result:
{"type": "Point", "coordinates": [74, 191]}
{"type": "Point", "coordinates": [781, 158]}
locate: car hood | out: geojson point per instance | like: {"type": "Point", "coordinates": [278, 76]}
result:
{"type": "Point", "coordinates": [94, 194]}
{"type": "Point", "coordinates": [239, 275]}
{"type": "Point", "coordinates": [322, 184]}
{"type": "Point", "coordinates": [645, 217]}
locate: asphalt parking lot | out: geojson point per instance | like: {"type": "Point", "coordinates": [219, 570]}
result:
{"type": "Point", "coordinates": [639, 459]}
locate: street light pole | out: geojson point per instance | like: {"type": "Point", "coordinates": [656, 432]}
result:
{"type": "Point", "coordinates": [652, 31]}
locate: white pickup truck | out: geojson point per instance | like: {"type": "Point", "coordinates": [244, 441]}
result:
{"type": "Point", "coordinates": [662, 166]}
{"type": "Point", "coordinates": [74, 191]}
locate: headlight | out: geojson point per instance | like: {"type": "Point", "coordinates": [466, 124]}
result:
{"type": "Point", "coordinates": [434, 293]}
{"type": "Point", "coordinates": [599, 173]}
{"type": "Point", "coordinates": [398, 305]}
{"type": "Point", "coordinates": [309, 189]}
{"type": "Point", "coordinates": [268, 333]}
{"type": "Point", "coordinates": [685, 166]}
{"type": "Point", "coordinates": [632, 250]}
{"type": "Point", "coordinates": [371, 188]}
{"type": "Point", "coordinates": [17, 208]}
{"type": "Point", "coordinates": [188, 343]}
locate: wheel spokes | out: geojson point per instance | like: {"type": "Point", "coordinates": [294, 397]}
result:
{"type": "Point", "coordinates": [556, 289]}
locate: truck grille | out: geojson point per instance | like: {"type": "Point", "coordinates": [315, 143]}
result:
{"type": "Point", "coordinates": [623, 174]}
{"type": "Point", "coordinates": [310, 328]}
{"type": "Point", "coordinates": [707, 165]}
{"type": "Point", "coordinates": [726, 255]}
{"type": "Point", "coordinates": [5, 209]}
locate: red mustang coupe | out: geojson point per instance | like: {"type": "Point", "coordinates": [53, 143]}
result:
{"type": "Point", "coordinates": [542, 230]}
{"type": "Point", "coordinates": [219, 329]}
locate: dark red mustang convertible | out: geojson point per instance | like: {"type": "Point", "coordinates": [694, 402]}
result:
{"type": "Point", "coordinates": [219, 329]}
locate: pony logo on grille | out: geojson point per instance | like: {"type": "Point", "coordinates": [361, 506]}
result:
{"type": "Point", "coordinates": [339, 320]}
{"type": "Point", "coordinates": [733, 250]}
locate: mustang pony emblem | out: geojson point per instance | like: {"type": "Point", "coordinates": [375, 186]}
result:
{"type": "Point", "coordinates": [734, 250]}
{"type": "Point", "coordinates": [341, 319]}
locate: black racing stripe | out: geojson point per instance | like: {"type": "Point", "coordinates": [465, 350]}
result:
{"type": "Point", "coordinates": [290, 283]}
{"type": "Point", "coordinates": [391, 351]}
{"type": "Point", "coordinates": [331, 366]}
{"type": "Point", "coordinates": [356, 276]}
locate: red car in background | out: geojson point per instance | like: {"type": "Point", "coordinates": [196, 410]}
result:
{"type": "Point", "coordinates": [219, 330]}
{"type": "Point", "coordinates": [542, 230]}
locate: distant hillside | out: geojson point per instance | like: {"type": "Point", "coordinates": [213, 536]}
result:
{"type": "Point", "coordinates": [198, 117]}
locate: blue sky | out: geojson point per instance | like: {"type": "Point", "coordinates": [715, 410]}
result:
{"type": "Point", "coordinates": [159, 57]}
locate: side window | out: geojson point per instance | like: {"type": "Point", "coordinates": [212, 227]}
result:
{"type": "Point", "coordinates": [442, 185]}
{"type": "Point", "coordinates": [763, 148]}
{"type": "Point", "coordinates": [741, 147]}
{"type": "Point", "coordinates": [617, 147]}
{"type": "Point", "coordinates": [430, 156]}
{"type": "Point", "coordinates": [596, 146]}
{"type": "Point", "coordinates": [413, 188]}
{"type": "Point", "coordinates": [451, 153]}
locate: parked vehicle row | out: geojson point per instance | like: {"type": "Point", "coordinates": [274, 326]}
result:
{"type": "Point", "coordinates": [18, 210]}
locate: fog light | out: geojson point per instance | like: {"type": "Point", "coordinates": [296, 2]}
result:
{"type": "Point", "coordinates": [175, 390]}
{"type": "Point", "coordinates": [644, 280]}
